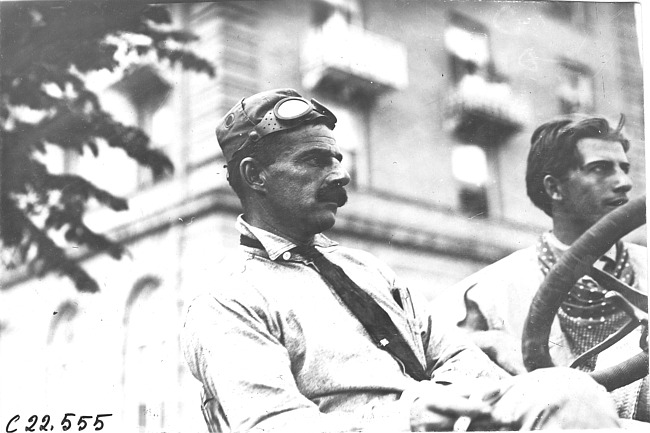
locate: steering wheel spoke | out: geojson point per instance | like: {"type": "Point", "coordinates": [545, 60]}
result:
{"type": "Point", "coordinates": [606, 344]}
{"type": "Point", "coordinates": [631, 295]}
{"type": "Point", "coordinates": [633, 312]}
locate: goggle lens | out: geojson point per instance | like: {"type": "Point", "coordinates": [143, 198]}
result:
{"type": "Point", "coordinates": [292, 108]}
{"type": "Point", "coordinates": [288, 113]}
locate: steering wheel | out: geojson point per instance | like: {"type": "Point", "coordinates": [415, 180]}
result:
{"type": "Point", "coordinates": [575, 263]}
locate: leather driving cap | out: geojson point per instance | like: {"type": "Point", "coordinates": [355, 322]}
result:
{"type": "Point", "coordinates": [238, 127]}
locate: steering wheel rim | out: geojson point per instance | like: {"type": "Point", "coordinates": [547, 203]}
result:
{"type": "Point", "coordinates": [567, 271]}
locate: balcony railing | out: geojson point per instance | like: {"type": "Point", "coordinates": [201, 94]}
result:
{"type": "Point", "coordinates": [340, 57]}
{"type": "Point", "coordinates": [485, 112]}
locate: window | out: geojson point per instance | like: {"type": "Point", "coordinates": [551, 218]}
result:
{"type": "Point", "coordinates": [469, 167]}
{"type": "Point", "coordinates": [160, 124]}
{"type": "Point", "coordinates": [574, 13]}
{"type": "Point", "coordinates": [148, 94]}
{"type": "Point", "coordinates": [326, 10]}
{"type": "Point", "coordinates": [468, 47]}
{"type": "Point", "coordinates": [138, 99]}
{"type": "Point", "coordinates": [482, 107]}
{"type": "Point", "coordinates": [60, 373]}
{"type": "Point", "coordinates": [349, 137]}
{"type": "Point", "coordinates": [149, 355]}
{"type": "Point", "coordinates": [576, 88]}
{"type": "Point", "coordinates": [480, 110]}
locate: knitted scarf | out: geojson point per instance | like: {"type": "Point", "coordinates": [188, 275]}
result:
{"type": "Point", "coordinates": [586, 317]}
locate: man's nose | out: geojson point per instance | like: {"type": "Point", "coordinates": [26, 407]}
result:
{"type": "Point", "coordinates": [623, 181]}
{"type": "Point", "coordinates": [340, 175]}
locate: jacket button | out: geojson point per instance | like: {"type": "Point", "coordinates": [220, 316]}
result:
{"type": "Point", "coordinates": [286, 255]}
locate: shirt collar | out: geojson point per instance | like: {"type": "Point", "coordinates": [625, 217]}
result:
{"type": "Point", "coordinates": [560, 247]}
{"type": "Point", "coordinates": [276, 245]}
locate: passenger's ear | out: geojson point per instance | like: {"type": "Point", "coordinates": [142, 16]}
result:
{"type": "Point", "coordinates": [553, 187]}
{"type": "Point", "coordinates": [252, 174]}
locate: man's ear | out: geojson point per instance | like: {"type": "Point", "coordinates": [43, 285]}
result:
{"type": "Point", "coordinates": [552, 187]}
{"type": "Point", "coordinates": [252, 174]}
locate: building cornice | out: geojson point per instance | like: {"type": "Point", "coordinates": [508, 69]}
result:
{"type": "Point", "coordinates": [369, 216]}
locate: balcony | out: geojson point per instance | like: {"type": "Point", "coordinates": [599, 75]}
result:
{"type": "Point", "coordinates": [349, 61]}
{"type": "Point", "coordinates": [484, 112]}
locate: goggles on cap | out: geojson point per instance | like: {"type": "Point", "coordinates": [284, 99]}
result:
{"type": "Point", "coordinates": [289, 113]}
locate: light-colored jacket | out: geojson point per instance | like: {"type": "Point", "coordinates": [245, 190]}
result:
{"type": "Point", "coordinates": [276, 350]}
{"type": "Point", "coordinates": [503, 293]}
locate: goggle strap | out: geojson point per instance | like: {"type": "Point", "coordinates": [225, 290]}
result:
{"type": "Point", "coordinates": [323, 110]}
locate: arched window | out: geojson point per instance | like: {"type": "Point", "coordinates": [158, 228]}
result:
{"type": "Point", "coordinates": [60, 374]}
{"type": "Point", "coordinates": [150, 355]}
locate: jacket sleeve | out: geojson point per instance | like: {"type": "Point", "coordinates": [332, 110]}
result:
{"type": "Point", "coordinates": [232, 352]}
{"type": "Point", "coordinates": [451, 355]}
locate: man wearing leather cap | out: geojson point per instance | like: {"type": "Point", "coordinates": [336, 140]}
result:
{"type": "Point", "coordinates": [306, 335]}
{"type": "Point", "coordinates": [577, 173]}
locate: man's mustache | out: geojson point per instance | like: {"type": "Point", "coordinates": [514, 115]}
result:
{"type": "Point", "coordinates": [334, 194]}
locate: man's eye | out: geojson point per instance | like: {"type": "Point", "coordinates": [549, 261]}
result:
{"type": "Point", "coordinates": [320, 160]}
{"type": "Point", "coordinates": [598, 168]}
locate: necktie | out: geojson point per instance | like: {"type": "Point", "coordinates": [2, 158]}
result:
{"type": "Point", "coordinates": [372, 316]}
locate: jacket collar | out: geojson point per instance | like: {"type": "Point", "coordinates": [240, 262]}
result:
{"type": "Point", "coordinates": [276, 245]}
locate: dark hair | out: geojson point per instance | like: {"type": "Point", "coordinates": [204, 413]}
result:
{"type": "Point", "coordinates": [554, 152]}
{"type": "Point", "coordinates": [266, 151]}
